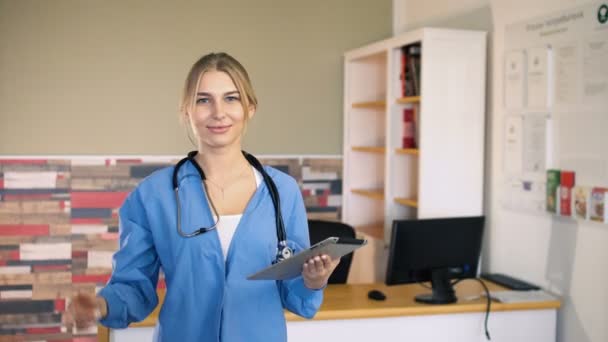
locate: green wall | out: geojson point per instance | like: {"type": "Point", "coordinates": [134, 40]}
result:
{"type": "Point", "coordinates": [104, 77]}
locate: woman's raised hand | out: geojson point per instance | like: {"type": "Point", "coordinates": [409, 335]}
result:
{"type": "Point", "coordinates": [317, 271]}
{"type": "Point", "coordinates": [84, 310]}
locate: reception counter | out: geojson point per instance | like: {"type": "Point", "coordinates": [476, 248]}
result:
{"type": "Point", "coordinates": [347, 314]}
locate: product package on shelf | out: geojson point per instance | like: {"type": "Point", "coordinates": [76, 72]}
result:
{"type": "Point", "coordinates": [403, 70]}
{"type": "Point", "coordinates": [565, 192]}
{"type": "Point", "coordinates": [598, 205]}
{"type": "Point", "coordinates": [409, 129]}
{"type": "Point", "coordinates": [410, 70]}
{"type": "Point", "coordinates": [553, 179]}
{"type": "Point", "coordinates": [580, 200]}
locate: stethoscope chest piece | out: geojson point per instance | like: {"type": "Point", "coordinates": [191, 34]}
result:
{"type": "Point", "coordinates": [283, 252]}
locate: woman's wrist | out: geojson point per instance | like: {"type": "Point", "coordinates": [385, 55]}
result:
{"type": "Point", "coordinates": [312, 285]}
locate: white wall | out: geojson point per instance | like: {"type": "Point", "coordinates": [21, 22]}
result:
{"type": "Point", "coordinates": [556, 253]}
{"type": "Point", "coordinates": [565, 255]}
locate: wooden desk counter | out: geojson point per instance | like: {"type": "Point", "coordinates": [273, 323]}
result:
{"type": "Point", "coordinates": [350, 301]}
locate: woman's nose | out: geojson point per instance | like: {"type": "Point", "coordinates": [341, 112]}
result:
{"type": "Point", "coordinates": [217, 110]}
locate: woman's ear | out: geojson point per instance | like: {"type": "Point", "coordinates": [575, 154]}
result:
{"type": "Point", "coordinates": [251, 112]}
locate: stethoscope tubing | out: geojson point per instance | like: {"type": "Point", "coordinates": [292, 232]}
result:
{"type": "Point", "coordinates": [283, 250]}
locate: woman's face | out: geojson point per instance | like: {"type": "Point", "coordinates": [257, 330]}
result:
{"type": "Point", "coordinates": [217, 118]}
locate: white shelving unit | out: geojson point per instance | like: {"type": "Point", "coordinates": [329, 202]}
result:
{"type": "Point", "coordinates": [443, 177]}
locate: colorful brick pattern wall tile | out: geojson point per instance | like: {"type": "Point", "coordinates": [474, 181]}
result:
{"type": "Point", "coordinates": [59, 229]}
{"type": "Point", "coordinates": [321, 183]}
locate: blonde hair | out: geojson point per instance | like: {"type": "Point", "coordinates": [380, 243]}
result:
{"type": "Point", "coordinates": [220, 61]}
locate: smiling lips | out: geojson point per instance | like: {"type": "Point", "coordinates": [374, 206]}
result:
{"type": "Point", "coordinates": [218, 129]}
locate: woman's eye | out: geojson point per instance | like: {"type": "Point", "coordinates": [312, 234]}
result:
{"type": "Point", "coordinates": [232, 98]}
{"type": "Point", "coordinates": [202, 100]}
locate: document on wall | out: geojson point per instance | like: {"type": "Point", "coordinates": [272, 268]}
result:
{"type": "Point", "coordinates": [513, 145]}
{"type": "Point", "coordinates": [523, 195]}
{"type": "Point", "coordinates": [535, 143]}
{"type": "Point", "coordinates": [539, 70]}
{"type": "Point", "coordinates": [515, 79]}
{"type": "Point", "coordinates": [566, 71]}
{"type": "Point", "coordinates": [595, 71]}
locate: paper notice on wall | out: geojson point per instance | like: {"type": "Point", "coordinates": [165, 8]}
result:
{"type": "Point", "coordinates": [539, 77]}
{"type": "Point", "coordinates": [535, 143]}
{"type": "Point", "coordinates": [513, 145]}
{"type": "Point", "coordinates": [595, 71]}
{"type": "Point", "coordinates": [566, 75]}
{"type": "Point", "coordinates": [515, 74]}
{"type": "Point", "coordinates": [523, 195]}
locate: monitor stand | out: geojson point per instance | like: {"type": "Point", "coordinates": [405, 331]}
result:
{"type": "Point", "coordinates": [443, 292]}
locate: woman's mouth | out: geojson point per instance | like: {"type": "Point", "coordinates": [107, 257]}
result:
{"type": "Point", "coordinates": [218, 129]}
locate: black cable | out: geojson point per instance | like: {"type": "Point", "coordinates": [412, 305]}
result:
{"type": "Point", "coordinates": [489, 301]}
{"type": "Point", "coordinates": [424, 285]}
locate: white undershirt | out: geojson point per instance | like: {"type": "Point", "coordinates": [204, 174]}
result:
{"type": "Point", "coordinates": [228, 223]}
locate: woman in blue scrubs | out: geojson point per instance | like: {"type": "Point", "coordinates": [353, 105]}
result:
{"type": "Point", "coordinates": [208, 297]}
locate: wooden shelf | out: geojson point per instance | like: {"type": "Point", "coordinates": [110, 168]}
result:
{"type": "Point", "coordinates": [385, 184]}
{"type": "Point", "coordinates": [408, 99]}
{"type": "Point", "coordinates": [370, 104]}
{"type": "Point", "coordinates": [407, 202]}
{"type": "Point", "coordinates": [374, 193]}
{"type": "Point", "coordinates": [375, 230]}
{"type": "Point", "coordinates": [412, 151]}
{"type": "Point", "coordinates": [371, 149]}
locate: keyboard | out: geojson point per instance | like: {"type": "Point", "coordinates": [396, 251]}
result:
{"type": "Point", "coordinates": [509, 282]}
{"type": "Point", "coordinates": [513, 296]}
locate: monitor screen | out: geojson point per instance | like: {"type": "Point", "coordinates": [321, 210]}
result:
{"type": "Point", "coordinates": [435, 250]}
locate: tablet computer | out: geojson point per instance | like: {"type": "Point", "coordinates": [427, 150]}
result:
{"type": "Point", "coordinates": [289, 268]}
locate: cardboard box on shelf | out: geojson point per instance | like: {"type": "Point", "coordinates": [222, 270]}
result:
{"type": "Point", "coordinates": [580, 204]}
{"type": "Point", "coordinates": [598, 205]}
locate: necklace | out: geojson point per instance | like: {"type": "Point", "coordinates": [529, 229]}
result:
{"type": "Point", "coordinates": [223, 188]}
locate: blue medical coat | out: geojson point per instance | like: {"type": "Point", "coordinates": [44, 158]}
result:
{"type": "Point", "coordinates": [208, 298]}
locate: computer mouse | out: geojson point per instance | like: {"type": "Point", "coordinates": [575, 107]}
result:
{"type": "Point", "coordinates": [376, 295]}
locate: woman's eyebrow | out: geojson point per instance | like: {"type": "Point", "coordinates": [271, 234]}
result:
{"type": "Point", "coordinates": [209, 94]}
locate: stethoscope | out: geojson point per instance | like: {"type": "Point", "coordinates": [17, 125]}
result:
{"type": "Point", "coordinates": [283, 250]}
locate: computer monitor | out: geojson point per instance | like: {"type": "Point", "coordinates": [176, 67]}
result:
{"type": "Point", "coordinates": [435, 250]}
